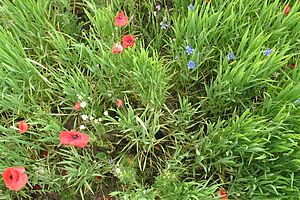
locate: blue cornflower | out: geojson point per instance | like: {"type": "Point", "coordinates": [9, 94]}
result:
{"type": "Point", "coordinates": [268, 52]}
{"type": "Point", "coordinates": [189, 50]}
{"type": "Point", "coordinates": [191, 64]}
{"type": "Point", "coordinates": [231, 56]}
{"type": "Point", "coordinates": [163, 25]}
{"type": "Point", "coordinates": [191, 7]}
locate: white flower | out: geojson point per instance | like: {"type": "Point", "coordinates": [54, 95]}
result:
{"type": "Point", "coordinates": [158, 7]}
{"type": "Point", "coordinates": [105, 113]}
{"type": "Point", "coordinates": [100, 119]}
{"type": "Point", "coordinates": [84, 117]}
{"type": "Point", "coordinates": [92, 118]}
{"type": "Point", "coordinates": [82, 127]}
{"type": "Point", "coordinates": [83, 104]}
{"type": "Point", "coordinates": [79, 97]}
{"type": "Point", "coordinates": [96, 121]}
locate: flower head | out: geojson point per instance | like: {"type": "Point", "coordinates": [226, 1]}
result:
{"type": "Point", "coordinates": [84, 117]}
{"type": "Point", "coordinates": [231, 56]}
{"type": "Point", "coordinates": [119, 103]}
{"type": "Point", "coordinates": [23, 126]}
{"type": "Point", "coordinates": [293, 65]}
{"type": "Point", "coordinates": [223, 194]}
{"type": "Point", "coordinates": [158, 7]}
{"type": "Point", "coordinates": [77, 106]}
{"type": "Point", "coordinates": [268, 52]}
{"type": "Point", "coordinates": [128, 41]}
{"type": "Point", "coordinates": [287, 10]}
{"type": "Point", "coordinates": [82, 127]}
{"type": "Point", "coordinates": [189, 50]}
{"type": "Point", "coordinates": [15, 178]}
{"type": "Point", "coordinates": [72, 138]}
{"type": "Point", "coordinates": [191, 64]}
{"type": "Point", "coordinates": [163, 25]}
{"type": "Point", "coordinates": [191, 7]}
{"type": "Point", "coordinates": [105, 113]}
{"type": "Point", "coordinates": [121, 19]}
{"type": "Point", "coordinates": [83, 104]}
{"type": "Point", "coordinates": [117, 48]}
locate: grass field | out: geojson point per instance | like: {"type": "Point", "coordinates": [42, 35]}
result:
{"type": "Point", "coordinates": [199, 100]}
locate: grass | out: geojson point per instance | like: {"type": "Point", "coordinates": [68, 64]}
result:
{"type": "Point", "coordinates": [180, 133]}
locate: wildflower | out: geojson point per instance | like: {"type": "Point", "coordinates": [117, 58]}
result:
{"type": "Point", "coordinates": [191, 64]}
{"type": "Point", "coordinates": [84, 117]}
{"type": "Point", "coordinates": [77, 106]}
{"type": "Point", "coordinates": [231, 56]}
{"type": "Point", "coordinates": [92, 118]}
{"type": "Point", "coordinates": [83, 104]}
{"type": "Point", "coordinates": [158, 7]}
{"type": "Point", "coordinates": [79, 97]}
{"type": "Point", "coordinates": [268, 52]}
{"type": "Point", "coordinates": [44, 153]}
{"type": "Point", "coordinates": [72, 138]}
{"type": "Point", "coordinates": [223, 194]}
{"type": "Point", "coordinates": [287, 10]}
{"type": "Point", "coordinates": [176, 57]}
{"type": "Point", "coordinates": [164, 25]}
{"type": "Point", "coordinates": [15, 178]}
{"type": "Point", "coordinates": [119, 103]}
{"type": "Point", "coordinates": [189, 50]}
{"type": "Point", "coordinates": [117, 48]}
{"type": "Point", "coordinates": [191, 7]}
{"type": "Point", "coordinates": [128, 41]}
{"type": "Point", "coordinates": [23, 126]}
{"type": "Point", "coordinates": [82, 127]}
{"type": "Point", "coordinates": [100, 119]}
{"type": "Point", "coordinates": [37, 187]}
{"type": "Point", "coordinates": [121, 19]}
{"type": "Point", "coordinates": [105, 113]}
{"type": "Point", "coordinates": [293, 65]}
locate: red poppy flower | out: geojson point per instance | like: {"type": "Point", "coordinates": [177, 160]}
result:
{"type": "Point", "coordinates": [15, 178]}
{"type": "Point", "coordinates": [223, 194]}
{"type": "Point", "coordinates": [117, 48]}
{"type": "Point", "coordinates": [37, 187]}
{"type": "Point", "coordinates": [44, 153]}
{"type": "Point", "coordinates": [77, 106]}
{"type": "Point", "coordinates": [119, 103]}
{"type": "Point", "coordinates": [293, 65]}
{"type": "Point", "coordinates": [128, 41]}
{"type": "Point", "coordinates": [121, 19]}
{"type": "Point", "coordinates": [287, 10]}
{"type": "Point", "coordinates": [72, 138]}
{"type": "Point", "coordinates": [23, 126]}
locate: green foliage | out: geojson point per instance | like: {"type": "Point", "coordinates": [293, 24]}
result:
{"type": "Point", "coordinates": [180, 133]}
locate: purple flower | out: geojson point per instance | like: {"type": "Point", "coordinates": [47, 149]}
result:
{"type": "Point", "coordinates": [231, 56]}
{"type": "Point", "coordinates": [191, 7]}
{"type": "Point", "coordinates": [191, 64]}
{"type": "Point", "coordinates": [163, 25]}
{"type": "Point", "coordinates": [189, 50]}
{"type": "Point", "coordinates": [268, 52]}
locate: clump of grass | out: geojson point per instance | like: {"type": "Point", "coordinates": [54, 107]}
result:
{"type": "Point", "coordinates": [209, 99]}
